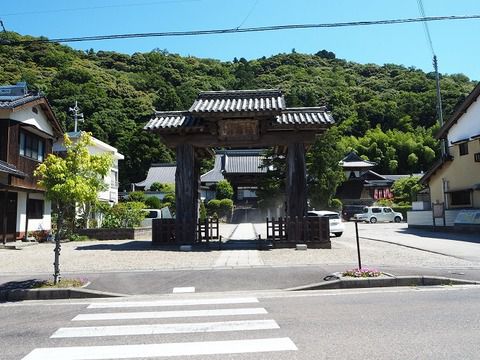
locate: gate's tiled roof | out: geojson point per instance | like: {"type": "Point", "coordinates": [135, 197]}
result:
{"type": "Point", "coordinates": [238, 101]}
{"type": "Point", "coordinates": [172, 120]}
{"type": "Point", "coordinates": [305, 116]}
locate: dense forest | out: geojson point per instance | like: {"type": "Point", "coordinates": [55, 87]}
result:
{"type": "Point", "coordinates": [386, 113]}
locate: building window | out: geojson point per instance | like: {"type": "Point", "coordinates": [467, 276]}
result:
{"type": "Point", "coordinates": [113, 179]}
{"type": "Point", "coordinates": [460, 198]}
{"type": "Point", "coordinates": [463, 148]}
{"type": "Point", "coordinates": [32, 146]}
{"type": "Point", "coordinates": [35, 209]}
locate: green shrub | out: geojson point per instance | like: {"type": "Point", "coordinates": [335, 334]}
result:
{"type": "Point", "coordinates": [124, 215]}
{"type": "Point", "coordinates": [203, 211]}
{"type": "Point", "coordinates": [213, 206]}
{"type": "Point", "coordinates": [169, 201]}
{"type": "Point", "coordinates": [384, 202]}
{"type": "Point", "coordinates": [136, 196]}
{"type": "Point", "coordinates": [226, 208]}
{"type": "Point", "coordinates": [166, 188]}
{"type": "Point", "coordinates": [153, 202]}
{"type": "Point", "coordinates": [224, 190]}
{"type": "Point", "coordinates": [336, 205]}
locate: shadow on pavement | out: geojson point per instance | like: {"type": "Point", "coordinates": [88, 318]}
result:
{"type": "Point", "coordinates": [138, 245]}
{"type": "Point", "coordinates": [441, 235]}
{"type": "Point", "coordinates": [23, 284]}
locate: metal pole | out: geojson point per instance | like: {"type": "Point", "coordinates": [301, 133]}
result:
{"type": "Point", "coordinates": [358, 245]}
{"type": "Point", "coordinates": [4, 217]}
{"type": "Point", "coordinates": [443, 147]}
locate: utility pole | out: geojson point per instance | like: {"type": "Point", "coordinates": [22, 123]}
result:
{"type": "Point", "coordinates": [3, 26]}
{"type": "Point", "coordinates": [439, 104]}
{"type": "Point", "coordinates": [77, 115]}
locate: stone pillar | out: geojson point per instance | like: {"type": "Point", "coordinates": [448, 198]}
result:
{"type": "Point", "coordinates": [186, 194]}
{"type": "Point", "coordinates": [296, 189]}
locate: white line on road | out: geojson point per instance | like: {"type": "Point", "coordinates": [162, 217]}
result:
{"type": "Point", "coordinates": [187, 289]}
{"type": "Point", "coordinates": [94, 331]}
{"type": "Point", "coordinates": [180, 302]}
{"type": "Point", "coordinates": [169, 314]}
{"type": "Point", "coordinates": [162, 350]}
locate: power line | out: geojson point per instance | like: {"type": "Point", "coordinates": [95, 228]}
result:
{"type": "Point", "coordinates": [240, 30]}
{"type": "Point", "coordinates": [425, 26]}
{"type": "Point", "coordinates": [248, 14]}
{"type": "Point", "coordinates": [96, 7]}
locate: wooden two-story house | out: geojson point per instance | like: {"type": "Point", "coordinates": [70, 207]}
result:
{"type": "Point", "coordinates": [28, 128]}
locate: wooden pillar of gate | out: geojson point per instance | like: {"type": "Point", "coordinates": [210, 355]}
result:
{"type": "Point", "coordinates": [296, 189]}
{"type": "Point", "coordinates": [186, 194]}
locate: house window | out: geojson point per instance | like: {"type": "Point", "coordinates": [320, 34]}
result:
{"type": "Point", "coordinates": [35, 209]}
{"type": "Point", "coordinates": [32, 146]}
{"type": "Point", "coordinates": [113, 179]}
{"type": "Point", "coordinates": [460, 197]}
{"type": "Point", "coordinates": [463, 148]}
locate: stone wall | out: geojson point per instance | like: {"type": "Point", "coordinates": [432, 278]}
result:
{"type": "Point", "coordinates": [118, 234]}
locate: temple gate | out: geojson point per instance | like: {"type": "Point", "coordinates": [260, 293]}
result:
{"type": "Point", "coordinates": [238, 119]}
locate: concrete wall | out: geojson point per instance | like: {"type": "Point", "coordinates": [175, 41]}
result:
{"type": "Point", "coordinates": [117, 234]}
{"type": "Point", "coordinates": [424, 218]}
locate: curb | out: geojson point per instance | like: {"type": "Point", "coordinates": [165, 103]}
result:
{"type": "Point", "coordinates": [53, 294]}
{"type": "Point", "coordinates": [353, 283]}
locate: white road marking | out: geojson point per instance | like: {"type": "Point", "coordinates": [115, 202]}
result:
{"type": "Point", "coordinates": [162, 350]}
{"type": "Point", "coordinates": [180, 302]}
{"type": "Point", "coordinates": [94, 331]}
{"type": "Point", "coordinates": [187, 289]}
{"type": "Point", "coordinates": [169, 314]}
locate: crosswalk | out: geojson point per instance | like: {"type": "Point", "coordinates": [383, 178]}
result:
{"type": "Point", "coordinates": [102, 322]}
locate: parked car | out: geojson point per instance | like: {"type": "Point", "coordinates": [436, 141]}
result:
{"type": "Point", "coordinates": [349, 211]}
{"type": "Point", "coordinates": [336, 225]}
{"type": "Point", "coordinates": [163, 213]}
{"type": "Point", "coordinates": [379, 213]}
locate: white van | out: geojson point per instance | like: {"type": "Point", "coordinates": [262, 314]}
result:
{"type": "Point", "coordinates": [163, 213]}
{"type": "Point", "coordinates": [379, 213]}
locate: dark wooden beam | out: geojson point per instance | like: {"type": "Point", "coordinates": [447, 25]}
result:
{"type": "Point", "coordinates": [296, 187]}
{"type": "Point", "coordinates": [186, 194]}
{"type": "Point", "coordinates": [273, 138]}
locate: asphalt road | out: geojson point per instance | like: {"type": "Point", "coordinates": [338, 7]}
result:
{"type": "Point", "coordinates": [394, 323]}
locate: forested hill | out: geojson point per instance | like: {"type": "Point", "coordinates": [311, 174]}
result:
{"type": "Point", "coordinates": [386, 113]}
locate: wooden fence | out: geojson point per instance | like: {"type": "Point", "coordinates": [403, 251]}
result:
{"type": "Point", "coordinates": [163, 230]}
{"type": "Point", "coordinates": [287, 232]}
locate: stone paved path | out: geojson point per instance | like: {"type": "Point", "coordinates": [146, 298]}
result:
{"type": "Point", "coordinates": [233, 258]}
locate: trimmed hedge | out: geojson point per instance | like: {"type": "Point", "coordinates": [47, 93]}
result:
{"type": "Point", "coordinates": [403, 210]}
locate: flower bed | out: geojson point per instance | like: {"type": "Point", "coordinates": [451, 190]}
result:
{"type": "Point", "coordinates": [362, 273]}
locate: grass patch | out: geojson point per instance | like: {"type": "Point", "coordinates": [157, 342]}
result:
{"type": "Point", "coordinates": [63, 283]}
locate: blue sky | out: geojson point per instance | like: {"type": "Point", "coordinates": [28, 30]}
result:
{"type": "Point", "coordinates": [455, 42]}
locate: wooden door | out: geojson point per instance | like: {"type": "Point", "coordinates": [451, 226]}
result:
{"type": "Point", "coordinates": [8, 212]}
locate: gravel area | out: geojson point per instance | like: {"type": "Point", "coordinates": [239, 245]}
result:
{"type": "Point", "coordinates": [98, 256]}
{"type": "Point", "coordinates": [125, 255]}
{"type": "Point", "coordinates": [373, 254]}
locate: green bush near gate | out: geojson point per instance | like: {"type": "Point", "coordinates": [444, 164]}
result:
{"type": "Point", "coordinates": [213, 206]}
{"type": "Point", "coordinates": [226, 208]}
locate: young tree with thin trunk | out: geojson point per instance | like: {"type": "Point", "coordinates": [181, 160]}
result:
{"type": "Point", "coordinates": [72, 181]}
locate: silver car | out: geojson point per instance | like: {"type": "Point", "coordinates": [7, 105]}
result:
{"type": "Point", "coordinates": [373, 214]}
